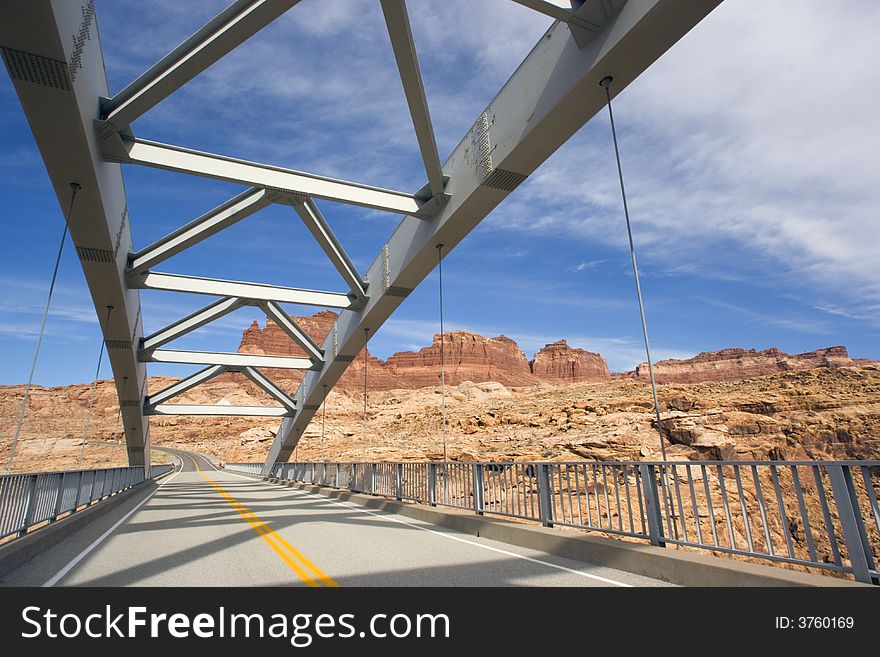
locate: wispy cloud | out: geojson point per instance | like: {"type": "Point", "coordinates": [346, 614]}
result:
{"type": "Point", "coordinates": [729, 156]}
{"type": "Point", "coordinates": [585, 265]}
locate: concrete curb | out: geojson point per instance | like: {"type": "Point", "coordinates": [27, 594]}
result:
{"type": "Point", "coordinates": [675, 566]}
{"type": "Point", "coordinates": [18, 552]}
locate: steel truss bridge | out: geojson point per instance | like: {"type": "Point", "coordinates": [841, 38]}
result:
{"type": "Point", "coordinates": [53, 55]}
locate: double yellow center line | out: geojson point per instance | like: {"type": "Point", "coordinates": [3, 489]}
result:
{"type": "Point", "coordinates": [308, 572]}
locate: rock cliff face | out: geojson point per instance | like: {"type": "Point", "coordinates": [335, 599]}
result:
{"type": "Point", "coordinates": [558, 362]}
{"type": "Point", "coordinates": [738, 364]}
{"type": "Point", "coordinates": [473, 357]}
{"type": "Point", "coordinates": [468, 357]}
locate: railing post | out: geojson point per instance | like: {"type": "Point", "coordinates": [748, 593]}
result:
{"type": "Point", "coordinates": [79, 489]}
{"type": "Point", "coordinates": [652, 503]}
{"type": "Point", "coordinates": [58, 495]}
{"type": "Point", "coordinates": [857, 546]}
{"type": "Point", "coordinates": [29, 509]}
{"type": "Point", "coordinates": [432, 484]}
{"type": "Point", "coordinates": [352, 474]}
{"type": "Point", "coordinates": [336, 476]}
{"type": "Point", "coordinates": [372, 478]}
{"type": "Point", "coordinates": [399, 482]}
{"type": "Point", "coordinates": [545, 494]}
{"type": "Point", "coordinates": [479, 505]}
{"type": "Point", "coordinates": [92, 488]}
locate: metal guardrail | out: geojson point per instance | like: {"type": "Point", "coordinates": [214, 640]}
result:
{"type": "Point", "coordinates": [822, 514]}
{"type": "Point", "coordinates": [248, 468]}
{"type": "Point", "coordinates": [29, 499]}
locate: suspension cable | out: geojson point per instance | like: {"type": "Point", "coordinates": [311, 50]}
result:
{"type": "Point", "coordinates": [606, 84]}
{"type": "Point", "coordinates": [324, 413]}
{"type": "Point", "coordinates": [119, 418]}
{"type": "Point", "coordinates": [366, 365]}
{"type": "Point", "coordinates": [75, 187]}
{"type": "Point", "coordinates": [442, 354]}
{"type": "Point", "coordinates": [85, 437]}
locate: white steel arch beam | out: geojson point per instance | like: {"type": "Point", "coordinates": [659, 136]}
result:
{"type": "Point", "coordinates": [552, 94]}
{"type": "Point", "coordinates": [59, 80]}
{"type": "Point", "coordinates": [403, 45]}
{"type": "Point", "coordinates": [238, 22]}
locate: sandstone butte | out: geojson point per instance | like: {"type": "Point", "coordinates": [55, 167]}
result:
{"type": "Point", "coordinates": [468, 357]}
{"type": "Point", "coordinates": [473, 357]}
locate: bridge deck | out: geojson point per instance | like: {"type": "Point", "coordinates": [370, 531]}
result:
{"type": "Point", "coordinates": [204, 527]}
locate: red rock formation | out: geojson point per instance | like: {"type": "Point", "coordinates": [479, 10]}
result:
{"type": "Point", "coordinates": [468, 357]}
{"type": "Point", "coordinates": [738, 364]}
{"type": "Point", "coordinates": [472, 357]}
{"type": "Point", "coordinates": [558, 362]}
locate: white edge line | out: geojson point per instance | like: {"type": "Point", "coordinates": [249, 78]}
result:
{"type": "Point", "coordinates": [389, 516]}
{"type": "Point", "coordinates": [82, 555]}
{"type": "Point", "coordinates": [474, 543]}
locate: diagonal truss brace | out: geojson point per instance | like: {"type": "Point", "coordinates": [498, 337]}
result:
{"type": "Point", "coordinates": [269, 386]}
{"type": "Point", "coordinates": [213, 221]}
{"type": "Point", "coordinates": [261, 380]}
{"type": "Point", "coordinates": [403, 45]}
{"type": "Point", "coordinates": [191, 322]}
{"type": "Point", "coordinates": [584, 17]}
{"type": "Point", "coordinates": [184, 384]}
{"type": "Point", "coordinates": [236, 24]}
{"type": "Point", "coordinates": [225, 306]}
{"type": "Point", "coordinates": [319, 228]}
{"type": "Point", "coordinates": [287, 324]}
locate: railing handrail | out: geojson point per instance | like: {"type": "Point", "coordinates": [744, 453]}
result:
{"type": "Point", "coordinates": [53, 472]}
{"type": "Point", "coordinates": [819, 513]}
{"type": "Point", "coordinates": [669, 462]}
{"type": "Point", "coordinates": [28, 499]}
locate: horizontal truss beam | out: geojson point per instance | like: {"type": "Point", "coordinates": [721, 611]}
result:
{"type": "Point", "coordinates": [230, 28]}
{"type": "Point", "coordinates": [218, 167]}
{"type": "Point", "coordinates": [223, 358]}
{"type": "Point", "coordinates": [221, 288]}
{"type": "Point", "coordinates": [218, 409]}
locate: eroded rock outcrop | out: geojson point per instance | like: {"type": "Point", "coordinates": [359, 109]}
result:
{"type": "Point", "coordinates": [560, 363]}
{"type": "Point", "coordinates": [468, 357]}
{"type": "Point", "coordinates": [739, 364]}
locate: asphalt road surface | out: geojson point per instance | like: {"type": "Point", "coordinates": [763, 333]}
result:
{"type": "Point", "coordinates": [204, 527]}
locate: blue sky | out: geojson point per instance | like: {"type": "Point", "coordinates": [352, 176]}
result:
{"type": "Point", "coordinates": [749, 151]}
